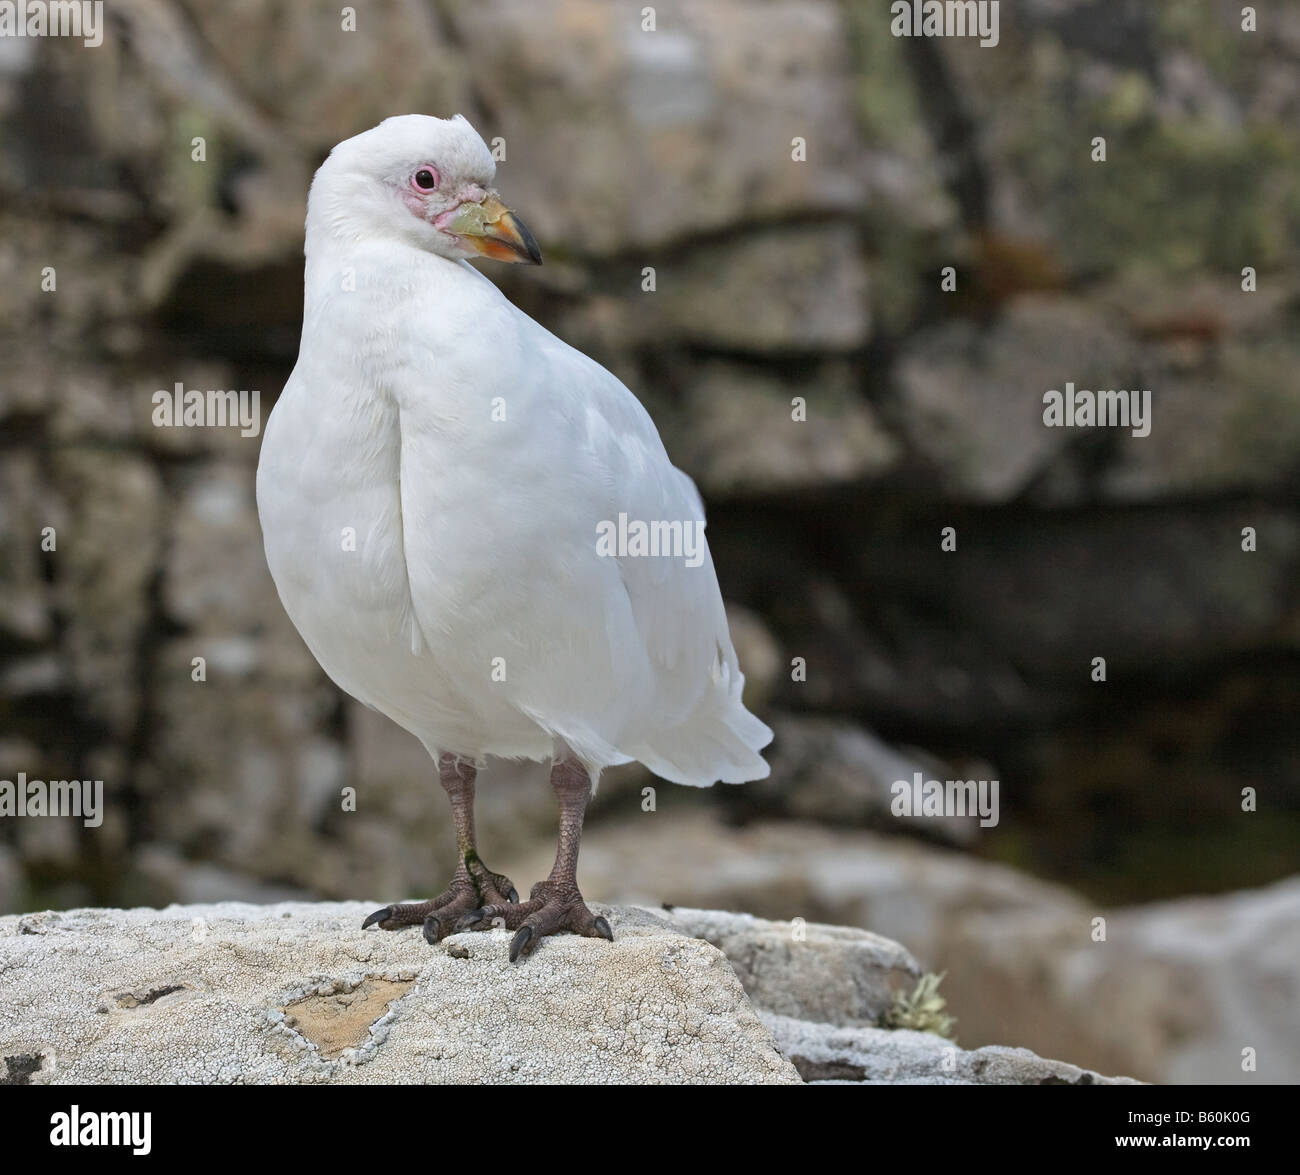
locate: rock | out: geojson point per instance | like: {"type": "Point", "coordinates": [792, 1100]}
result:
{"type": "Point", "coordinates": [972, 398]}
{"type": "Point", "coordinates": [216, 583]}
{"type": "Point", "coordinates": [1183, 107]}
{"type": "Point", "coordinates": [398, 58]}
{"type": "Point", "coordinates": [26, 618]}
{"type": "Point", "coordinates": [106, 558]}
{"type": "Point", "coordinates": [165, 872]}
{"type": "Point", "coordinates": [835, 772]}
{"type": "Point", "coordinates": [909, 892]}
{"type": "Point", "coordinates": [736, 432]}
{"type": "Point", "coordinates": [298, 993]}
{"type": "Point", "coordinates": [989, 648]}
{"type": "Point", "coordinates": [10, 878]}
{"type": "Point", "coordinates": [1174, 994]}
{"type": "Point", "coordinates": [830, 974]}
{"type": "Point", "coordinates": [758, 651]}
{"type": "Point", "coordinates": [1203, 442]}
{"type": "Point", "coordinates": [796, 290]}
{"type": "Point", "coordinates": [593, 107]}
{"type": "Point", "coordinates": [824, 1054]}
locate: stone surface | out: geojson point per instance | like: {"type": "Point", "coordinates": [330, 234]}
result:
{"type": "Point", "coordinates": [830, 974]}
{"type": "Point", "coordinates": [877, 1056]}
{"type": "Point", "coordinates": [737, 431]}
{"type": "Point", "coordinates": [620, 103]}
{"type": "Point", "coordinates": [1174, 994]}
{"type": "Point", "coordinates": [972, 399]}
{"type": "Point", "coordinates": [835, 772]}
{"type": "Point", "coordinates": [297, 993]}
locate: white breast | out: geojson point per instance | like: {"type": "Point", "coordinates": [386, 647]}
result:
{"type": "Point", "coordinates": [329, 494]}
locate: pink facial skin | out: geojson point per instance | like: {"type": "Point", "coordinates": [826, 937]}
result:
{"type": "Point", "coordinates": [413, 195]}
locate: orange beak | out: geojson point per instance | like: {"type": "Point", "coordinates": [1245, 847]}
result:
{"type": "Point", "coordinates": [490, 228]}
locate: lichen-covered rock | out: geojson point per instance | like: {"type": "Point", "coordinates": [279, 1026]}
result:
{"type": "Point", "coordinates": [298, 993]}
{"type": "Point", "coordinates": [812, 971]}
{"type": "Point", "coordinates": [878, 1056]}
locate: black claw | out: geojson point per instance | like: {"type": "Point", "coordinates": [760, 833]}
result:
{"type": "Point", "coordinates": [602, 928]}
{"type": "Point", "coordinates": [513, 895]}
{"type": "Point", "coordinates": [521, 939]}
{"type": "Point", "coordinates": [471, 918]}
{"type": "Point", "coordinates": [431, 928]}
{"type": "Point", "coordinates": [378, 916]}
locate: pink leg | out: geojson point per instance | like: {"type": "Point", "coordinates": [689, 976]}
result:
{"type": "Point", "coordinates": [555, 905]}
{"type": "Point", "coordinates": [472, 885]}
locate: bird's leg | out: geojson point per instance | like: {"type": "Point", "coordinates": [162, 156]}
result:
{"type": "Point", "coordinates": [472, 885]}
{"type": "Point", "coordinates": [555, 905]}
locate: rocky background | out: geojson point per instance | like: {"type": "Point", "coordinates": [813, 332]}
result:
{"type": "Point", "coordinates": [774, 279]}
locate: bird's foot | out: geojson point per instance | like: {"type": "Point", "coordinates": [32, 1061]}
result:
{"type": "Point", "coordinates": [468, 891]}
{"type": "Point", "coordinates": [494, 888]}
{"type": "Point", "coordinates": [550, 909]}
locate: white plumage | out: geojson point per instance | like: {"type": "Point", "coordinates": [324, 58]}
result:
{"type": "Point", "coordinates": [432, 480]}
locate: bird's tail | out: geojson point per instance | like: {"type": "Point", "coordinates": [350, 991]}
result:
{"type": "Point", "coordinates": [719, 742]}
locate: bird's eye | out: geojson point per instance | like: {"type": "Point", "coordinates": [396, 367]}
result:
{"type": "Point", "coordinates": [425, 180]}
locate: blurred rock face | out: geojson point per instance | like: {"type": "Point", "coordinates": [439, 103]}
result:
{"type": "Point", "coordinates": [745, 212]}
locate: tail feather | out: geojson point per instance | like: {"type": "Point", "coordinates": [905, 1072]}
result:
{"type": "Point", "coordinates": [719, 742]}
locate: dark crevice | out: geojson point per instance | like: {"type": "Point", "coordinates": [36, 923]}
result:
{"type": "Point", "coordinates": [21, 1068]}
{"type": "Point", "coordinates": [952, 127]}
{"type": "Point", "coordinates": [828, 1070]}
{"type": "Point", "coordinates": [130, 1000]}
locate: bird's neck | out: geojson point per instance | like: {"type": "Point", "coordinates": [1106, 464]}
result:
{"type": "Point", "coordinates": [374, 276]}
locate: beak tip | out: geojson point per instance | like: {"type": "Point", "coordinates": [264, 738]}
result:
{"type": "Point", "coordinates": [529, 242]}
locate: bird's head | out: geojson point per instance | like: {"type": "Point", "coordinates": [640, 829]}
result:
{"type": "Point", "coordinates": [426, 181]}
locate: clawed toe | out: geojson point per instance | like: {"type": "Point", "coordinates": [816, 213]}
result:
{"type": "Point", "coordinates": [470, 892]}
{"type": "Point", "coordinates": [538, 918]}
{"type": "Point", "coordinates": [555, 916]}
{"type": "Point", "coordinates": [438, 926]}
{"type": "Point", "coordinates": [484, 918]}
{"type": "Point", "coordinates": [520, 942]}
{"type": "Point", "coordinates": [397, 916]}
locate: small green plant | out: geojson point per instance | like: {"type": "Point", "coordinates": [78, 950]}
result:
{"type": "Point", "coordinates": [923, 1010]}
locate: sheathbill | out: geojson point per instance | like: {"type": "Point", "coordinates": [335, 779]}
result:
{"type": "Point", "coordinates": [476, 528]}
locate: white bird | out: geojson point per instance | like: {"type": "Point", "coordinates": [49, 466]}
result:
{"type": "Point", "coordinates": [443, 487]}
